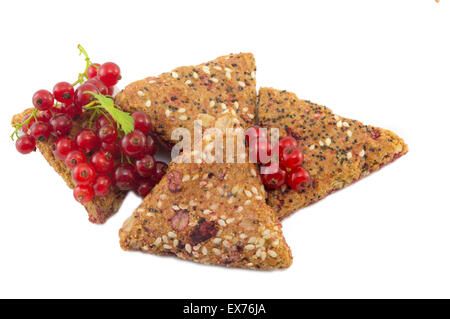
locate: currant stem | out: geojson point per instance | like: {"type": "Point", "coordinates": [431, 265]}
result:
{"type": "Point", "coordinates": [20, 125]}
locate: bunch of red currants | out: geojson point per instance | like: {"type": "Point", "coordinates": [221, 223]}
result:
{"type": "Point", "coordinates": [107, 150]}
{"type": "Point", "coordinates": [287, 170]}
{"type": "Point", "coordinates": [101, 157]}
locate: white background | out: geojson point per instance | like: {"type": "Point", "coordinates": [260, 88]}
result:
{"type": "Point", "coordinates": [386, 63]}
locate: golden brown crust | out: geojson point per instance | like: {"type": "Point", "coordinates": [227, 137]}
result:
{"type": "Point", "coordinates": [99, 208]}
{"type": "Point", "coordinates": [175, 99]}
{"type": "Point", "coordinates": [337, 151]}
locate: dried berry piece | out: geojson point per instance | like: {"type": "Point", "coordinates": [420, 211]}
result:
{"type": "Point", "coordinates": [180, 220]}
{"type": "Point", "coordinates": [174, 178]}
{"type": "Point", "coordinates": [203, 231]}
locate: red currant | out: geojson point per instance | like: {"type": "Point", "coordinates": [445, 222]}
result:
{"type": "Point", "coordinates": [26, 127]}
{"type": "Point", "coordinates": [111, 90]}
{"type": "Point", "coordinates": [63, 92]}
{"type": "Point", "coordinates": [63, 146]}
{"type": "Point", "coordinates": [107, 133]}
{"type": "Point", "coordinates": [142, 122]}
{"type": "Point", "coordinates": [160, 171]}
{"type": "Point", "coordinates": [61, 124]}
{"type": "Point", "coordinates": [75, 157]}
{"type": "Point", "coordinates": [72, 109]}
{"type": "Point", "coordinates": [113, 148]}
{"type": "Point", "coordinates": [273, 175]}
{"type": "Point", "coordinates": [83, 193]}
{"type": "Point", "coordinates": [44, 116]}
{"type": "Point", "coordinates": [43, 100]}
{"type": "Point", "coordinates": [109, 73]}
{"type": "Point", "coordinates": [92, 70]}
{"type": "Point", "coordinates": [285, 142]}
{"type": "Point", "coordinates": [144, 187]}
{"type": "Point", "coordinates": [40, 131]}
{"type": "Point", "coordinates": [254, 133]}
{"type": "Point", "coordinates": [87, 140]}
{"type": "Point", "coordinates": [83, 174]}
{"type": "Point", "coordinates": [103, 162]}
{"type": "Point", "coordinates": [102, 185]}
{"type": "Point", "coordinates": [298, 179]}
{"type": "Point", "coordinates": [82, 97]}
{"type": "Point", "coordinates": [151, 147]}
{"type": "Point", "coordinates": [146, 166]}
{"type": "Point", "coordinates": [102, 88]}
{"type": "Point", "coordinates": [291, 157]}
{"type": "Point", "coordinates": [105, 120]}
{"type": "Point", "coordinates": [133, 144]}
{"type": "Point", "coordinates": [25, 144]}
{"type": "Point", "coordinates": [260, 150]}
{"type": "Point", "coordinates": [125, 176]}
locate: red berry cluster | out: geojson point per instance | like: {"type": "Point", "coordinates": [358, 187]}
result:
{"type": "Point", "coordinates": [287, 170]}
{"type": "Point", "coordinates": [97, 154]}
{"type": "Point", "coordinates": [94, 157]}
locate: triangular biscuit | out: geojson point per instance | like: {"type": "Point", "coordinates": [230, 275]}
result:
{"type": "Point", "coordinates": [212, 213]}
{"type": "Point", "coordinates": [99, 209]}
{"type": "Point", "coordinates": [337, 151]}
{"type": "Point", "coordinates": [175, 99]}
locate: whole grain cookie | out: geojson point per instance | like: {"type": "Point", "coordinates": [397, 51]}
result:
{"type": "Point", "coordinates": [99, 209]}
{"type": "Point", "coordinates": [212, 213]}
{"type": "Point", "coordinates": [204, 92]}
{"type": "Point", "coordinates": [337, 151]}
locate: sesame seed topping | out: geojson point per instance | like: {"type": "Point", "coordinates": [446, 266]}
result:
{"type": "Point", "coordinates": [167, 246]}
{"type": "Point", "coordinates": [228, 75]}
{"type": "Point", "coordinates": [188, 248]}
{"type": "Point", "coordinates": [272, 254]}
{"type": "Point", "coordinates": [183, 117]}
{"type": "Point", "coordinates": [222, 223]}
{"type": "Point", "coordinates": [252, 74]}
{"type": "Point", "coordinates": [321, 143]}
{"type": "Point", "coordinates": [312, 147]}
{"type": "Point", "coordinates": [217, 67]}
{"type": "Point", "coordinates": [175, 243]}
{"type": "Point", "coordinates": [212, 103]}
{"type": "Point", "coordinates": [186, 178]}
{"type": "Point", "coordinates": [195, 75]}
{"type": "Point", "coordinates": [167, 113]}
{"type": "Point", "coordinates": [362, 153]}
{"type": "Point", "coordinates": [249, 247]}
{"type": "Point", "coordinates": [140, 93]}
{"type": "Point", "coordinates": [188, 82]}
{"type": "Point", "coordinates": [345, 124]}
{"type": "Point", "coordinates": [175, 75]}
{"type": "Point", "coordinates": [240, 209]}
{"type": "Point", "coordinates": [157, 241]}
{"type": "Point", "coordinates": [236, 105]}
{"type": "Point", "coordinates": [216, 251]}
{"type": "Point", "coordinates": [248, 193]}
{"type": "Point", "coordinates": [171, 234]}
{"type": "Point", "coordinates": [250, 115]}
{"type": "Point", "coordinates": [217, 240]}
{"type": "Point", "coordinates": [252, 240]}
{"type": "Point", "coordinates": [182, 110]}
{"type": "Point", "coordinates": [215, 80]}
{"type": "Point", "coordinates": [254, 190]}
{"type": "Point", "coordinates": [339, 124]}
{"type": "Point", "coordinates": [328, 141]}
{"type": "Point", "coordinates": [349, 155]}
{"type": "Point", "coordinates": [230, 220]}
{"type": "Point", "coordinates": [204, 251]}
{"type": "Point", "coordinates": [349, 133]}
{"type": "Point", "coordinates": [247, 202]}
{"type": "Point", "coordinates": [241, 83]}
{"type": "Point", "coordinates": [205, 69]}
{"type": "Point", "coordinates": [165, 239]}
{"type": "Point", "coordinates": [148, 103]}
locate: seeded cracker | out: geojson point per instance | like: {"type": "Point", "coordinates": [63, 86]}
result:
{"type": "Point", "coordinates": [210, 213]}
{"type": "Point", "coordinates": [337, 151]}
{"type": "Point", "coordinates": [175, 99]}
{"type": "Point", "coordinates": [99, 208]}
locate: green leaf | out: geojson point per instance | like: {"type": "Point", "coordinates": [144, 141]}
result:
{"type": "Point", "coordinates": [124, 120]}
